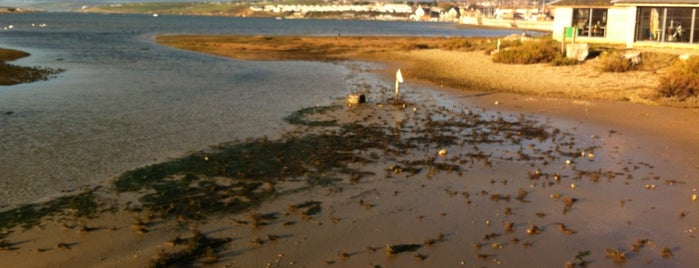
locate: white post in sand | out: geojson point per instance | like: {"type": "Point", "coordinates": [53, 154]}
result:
{"type": "Point", "coordinates": [399, 79]}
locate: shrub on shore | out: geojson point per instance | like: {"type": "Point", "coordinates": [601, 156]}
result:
{"type": "Point", "coordinates": [538, 51]}
{"type": "Point", "coordinates": [681, 81]}
{"type": "Point", "coordinates": [615, 62]}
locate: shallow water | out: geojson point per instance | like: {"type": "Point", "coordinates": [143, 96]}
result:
{"type": "Point", "coordinates": [124, 102]}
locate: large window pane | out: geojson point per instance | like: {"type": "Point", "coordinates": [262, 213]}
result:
{"type": "Point", "coordinates": [647, 27]}
{"type": "Point", "coordinates": [598, 22]}
{"type": "Point", "coordinates": [591, 22]}
{"type": "Point", "coordinates": [581, 20]}
{"type": "Point", "coordinates": [666, 24]}
{"type": "Point", "coordinates": [677, 24]}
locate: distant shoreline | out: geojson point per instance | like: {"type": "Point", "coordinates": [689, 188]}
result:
{"type": "Point", "coordinates": [17, 10]}
{"type": "Point", "coordinates": [11, 74]}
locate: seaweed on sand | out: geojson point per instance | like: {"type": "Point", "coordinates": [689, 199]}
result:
{"type": "Point", "coordinates": [400, 248]}
{"type": "Point", "coordinates": [231, 179]}
{"type": "Point", "coordinates": [198, 247]}
{"type": "Point", "coordinates": [80, 205]}
{"type": "Point", "coordinates": [235, 177]}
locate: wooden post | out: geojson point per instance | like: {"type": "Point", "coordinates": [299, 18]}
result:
{"type": "Point", "coordinates": [563, 41]}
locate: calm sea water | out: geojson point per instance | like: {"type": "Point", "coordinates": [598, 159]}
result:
{"type": "Point", "coordinates": [125, 102]}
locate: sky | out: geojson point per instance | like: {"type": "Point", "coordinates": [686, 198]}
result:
{"type": "Point", "coordinates": [65, 5]}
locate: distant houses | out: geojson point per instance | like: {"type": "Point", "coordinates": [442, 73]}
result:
{"type": "Point", "coordinates": [635, 23]}
{"type": "Point", "coordinates": [484, 14]}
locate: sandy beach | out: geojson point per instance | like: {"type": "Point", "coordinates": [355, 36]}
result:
{"type": "Point", "coordinates": [521, 164]}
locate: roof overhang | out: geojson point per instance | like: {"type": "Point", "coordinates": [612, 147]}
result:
{"type": "Point", "coordinates": [656, 2]}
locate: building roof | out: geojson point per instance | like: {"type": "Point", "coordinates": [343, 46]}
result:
{"type": "Point", "coordinates": [669, 2]}
{"type": "Point", "coordinates": [595, 3]}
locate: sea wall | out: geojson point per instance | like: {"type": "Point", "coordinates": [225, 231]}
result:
{"type": "Point", "coordinates": [503, 23]}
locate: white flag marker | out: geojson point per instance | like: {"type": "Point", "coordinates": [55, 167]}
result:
{"type": "Point", "coordinates": [399, 79]}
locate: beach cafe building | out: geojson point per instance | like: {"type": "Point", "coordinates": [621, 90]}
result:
{"type": "Point", "coordinates": [636, 23]}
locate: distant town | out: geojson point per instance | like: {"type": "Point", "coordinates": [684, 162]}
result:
{"type": "Point", "coordinates": [512, 14]}
{"type": "Point", "coordinates": [484, 13]}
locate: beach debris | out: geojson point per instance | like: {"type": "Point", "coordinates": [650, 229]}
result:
{"type": "Point", "coordinates": [139, 226]}
{"type": "Point", "coordinates": [4, 245]}
{"type": "Point", "coordinates": [343, 255]}
{"type": "Point", "coordinates": [617, 256]}
{"type": "Point", "coordinates": [199, 248]}
{"type": "Point", "coordinates": [355, 99]}
{"type": "Point", "coordinates": [568, 201]}
{"type": "Point", "coordinates": [432, 241]}
{"type": "Point", "coordinates": [87, 229]}
{"type": "Point", "coordinates": [521, 196]}
{"type": "Point", "coordinates": [420, 257]}
{"type": "Point", "coordinates": [209, 256]}
{"type": "Point", "coordinates": [564, 229]}
{"type": "Point", "coordinates": [490, 236]}
{"type": "Point", "coordinates": [533, 230]}
{"type": "Point", "coordinates": [371, 248]}
{"type": "Point", "coordinates": [483, 256]}
{"type": "Point", "coordinates": [640, 243]}
{"type": "Point", "coordinates": [256, 242]}
{"type": "Point", "coordinates": [694, 197]}
{"type": "Point", "coordinates": [63, 245]}
{"type": "Point", "coordinates": [508, 211]}
{"type": "Point", "coordinates": [509, 226]}
{"type": "Point", "coordinates": [667, 253]}
{"type": "Point", "coordinates": [392, 250]}
{"type": "Point", "coordinates": [306, 209]}
{"type": "Point", "coordinates": [443, 152]}
{"type": "Point", "coordinates": [578, 260]}
{"type": "Point", "coordinates": [257, 219]}
{"type": "Point", "coordinates": [273, 237]}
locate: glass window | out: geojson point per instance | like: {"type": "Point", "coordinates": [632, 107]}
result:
{"type": "Point", "coordinates": [666, 24]}
{"type": "Point", "coordinates": [647, 27]}
{"type": "Point", "coordinates": [677, 24]}
{"type": "Point", "coordinates": [591, 22]}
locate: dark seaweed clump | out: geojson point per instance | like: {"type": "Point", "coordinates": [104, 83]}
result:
{"type": "Point", "coordinates": [238, 176]}
{"type": "Point", "coordinates": [12, 74]}
{"type": "Point", "coordinates": [81, 205]}
{"type": "Point", "coordinates": [197, 248]}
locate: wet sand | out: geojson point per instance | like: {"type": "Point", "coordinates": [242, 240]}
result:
{"type": "Point", "coordinates": [610, 184]}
